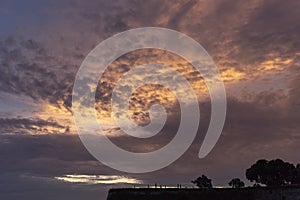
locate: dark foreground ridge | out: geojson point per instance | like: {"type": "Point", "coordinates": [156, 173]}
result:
{"type": "Point", "coordinates": [261, 193]}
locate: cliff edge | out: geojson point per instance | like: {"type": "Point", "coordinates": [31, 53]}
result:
{"type": "Point", "coordinates": [262, 193]}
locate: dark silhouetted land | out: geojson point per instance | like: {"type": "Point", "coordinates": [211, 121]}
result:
{"type": "Point", "coordinates": [251, 193]}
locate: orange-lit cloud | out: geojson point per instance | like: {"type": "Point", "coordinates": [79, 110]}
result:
{"type": "Point", "coordinates": [276, 64]}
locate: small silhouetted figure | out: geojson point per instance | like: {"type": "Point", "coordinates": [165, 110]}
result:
{"type": "Point", "coordinates": [155, 185]}
{"type": "Point", "coordinates": [165, 186]}
{"type": "Point", "coordinates": [148, 185]}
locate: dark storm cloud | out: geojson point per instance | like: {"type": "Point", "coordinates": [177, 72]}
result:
{"type": "Point", "coordinates": [27, 68]}
{"type": "Point", "coordinates": [30, 163]}
{"type": "Point", "coordinates": [46, 69]}
{"type": "Point", "coordinates": [251, 132]}
{"type": "Point", "coordinates": [28, 186]}
{"type": "Point", "coordinates": [181, 13]}
{"type": "Point", "coordinates": [273, 28]}
{"type": "Point", "coordinates": [29, 126]}
{"type": "Point", "coordinates": [55, 155]}
{"type": "Point", "coordinates": [48, 155]}
{"type": "Point", "coordinates": [263, 123]}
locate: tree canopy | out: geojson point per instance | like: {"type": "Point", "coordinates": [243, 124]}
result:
{"type": "Point", "coordinates": [271, 173]}
{"type": "Point", "coordinates": [236, 183]}
{"type": "Point", "coordinates": [203, 182]}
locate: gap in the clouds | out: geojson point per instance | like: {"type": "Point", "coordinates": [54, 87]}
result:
{"type": "Point", "coordinates": [116, 181]}
{"type": "Point", "coordinates": [98, 179]}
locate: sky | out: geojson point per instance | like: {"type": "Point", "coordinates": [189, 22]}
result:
{"type": "Point", "coordinates": [255, 45]}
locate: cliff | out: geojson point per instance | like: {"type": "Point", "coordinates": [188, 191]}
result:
{"type": "Point", "coordinates": [283, 193]}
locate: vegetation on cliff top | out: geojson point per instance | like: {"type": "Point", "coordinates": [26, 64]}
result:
{"type": "Point", "coordinates": [263, 172]}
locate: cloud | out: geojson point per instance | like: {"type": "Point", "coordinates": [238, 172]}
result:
{"type": "Point", "coordinates": [30, 126]}
{"type": "Point", "coordinates": [15, 186]}
{"type": "Point", "coordinates": [45, 68]}
{"type": "Point", "coordinates": [26, 68]}
{"type": "Point", "coordinates": [255, 45]}
{"type": "Point", "coordinates": [254, 53]}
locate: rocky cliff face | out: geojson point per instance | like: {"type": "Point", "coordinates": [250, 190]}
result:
{"type": "Point", "coordinates": [286, 193]}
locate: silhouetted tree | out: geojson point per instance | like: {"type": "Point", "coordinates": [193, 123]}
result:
{"type": "Point", "coordinates": [295, 175]}
{"type": "Point", "coordinates": [256, 171]}
{"type": "Point", "coordinates": [236, 183]}
{"type": "Point", "coordinates": [203, 182]}
{"type": "Point", "coordinates": [271, 173]}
